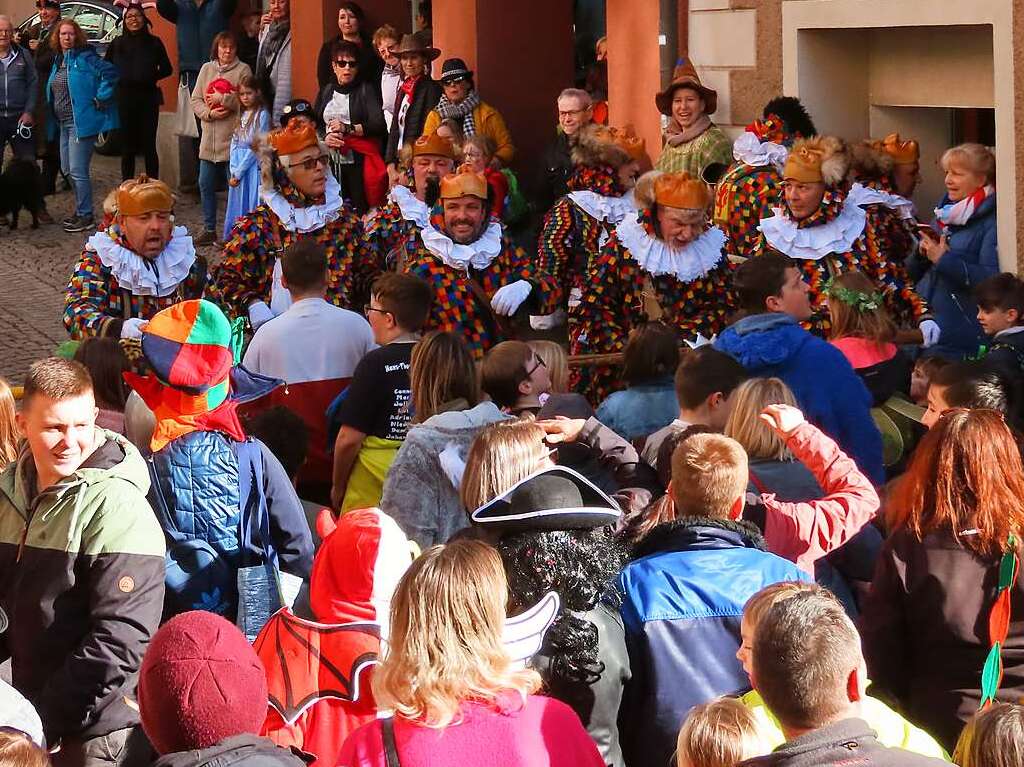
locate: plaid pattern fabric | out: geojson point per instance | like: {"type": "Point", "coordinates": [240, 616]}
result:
{"type": "Point", "coordinates": [246, 272]}
{"type": "Point", "coordinates": [95, 303]}
{"type": "Point", "coordinates": [613, 304]}
{"type": "Point", "coordinates": [711, 146]}
{"type": "Point", "coordinates": [743, 197]}
{"type": "Point", "coordinates": [457, 310]}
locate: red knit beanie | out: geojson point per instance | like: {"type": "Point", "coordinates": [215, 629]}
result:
{"type": "Point", "coordinates": [200, 683]}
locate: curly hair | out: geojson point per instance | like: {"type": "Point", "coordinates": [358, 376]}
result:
{"type": "Point", "coordinates": [581, 567]}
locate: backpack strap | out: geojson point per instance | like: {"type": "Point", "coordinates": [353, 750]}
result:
{"type": "Point", "coordinates": [387, 726]}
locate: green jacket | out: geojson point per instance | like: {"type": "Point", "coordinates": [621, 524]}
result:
{"type": "Point", "coordinates": [892, 730]}
{"type": "Point", "coordinates": [82, 586]}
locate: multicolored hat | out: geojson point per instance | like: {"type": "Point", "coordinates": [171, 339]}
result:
{"type": "Point", "coordinates": [194, 384]}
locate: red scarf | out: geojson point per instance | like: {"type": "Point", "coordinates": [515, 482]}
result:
{"type": "Point", "coordinates": [409, 85]}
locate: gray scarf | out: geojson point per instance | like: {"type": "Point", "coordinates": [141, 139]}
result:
{"type": "Point", "coordinates": [461, 111]}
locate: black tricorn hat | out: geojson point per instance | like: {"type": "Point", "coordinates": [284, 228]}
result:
{"type": "Point", "coordinates": [556, 498]}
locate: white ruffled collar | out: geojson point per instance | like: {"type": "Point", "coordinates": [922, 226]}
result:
{"type": "Point", "coordinates": [603, 208]}
{"type": "Point", "coordinates": [311, 218]}
{"type": "Point", "coordinates": [813, 243]}
{"type": "Point", "coordinates": [478, 254]}
{"type": "Point", "coordinates": [656, 257]}
{"type": "Point", "coordinates": [864, 195]}
{"type": "Point", "coordinates": [143, 277]}
{"type": "Point", "coordinates": [750, 150]}
{"type": "Point", "coordinates": [412, 207]}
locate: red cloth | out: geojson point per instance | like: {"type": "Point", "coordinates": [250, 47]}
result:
{"type": "Point", "coordinates": [408, 86]}
{"type": "Point", "coordinates": [499, 191]}
{"type": "Point", "coordinates": [863, 353]}
{"type": "Point", "coordinates": [375, 172]}
{"type": "Point", "coordinates": [220, 85]}
{"type": "Point", "coordinates": [806, 531]}
{"type": "Point", "coordinates": [543, 732]}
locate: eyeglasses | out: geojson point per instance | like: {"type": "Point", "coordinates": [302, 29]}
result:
{"type": "Point", "coordinates": [570, 112]}
{"type": "Point", "coordinates": [539, 364]}
{"type": "Point", "coordinates": [311, 162]}
{"type": "Point", "coordinates": [367, 309]}
{"type": "Point", "coordinates": [346, 63]}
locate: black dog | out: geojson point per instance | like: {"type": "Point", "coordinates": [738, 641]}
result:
{"type": "Point", "coordinates": [21, 186]}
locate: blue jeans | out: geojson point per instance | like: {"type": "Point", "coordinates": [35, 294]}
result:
{"type": "Point", "coordinates": [210, 175]}
{"type": "Point", "coordinates": [75, 157]}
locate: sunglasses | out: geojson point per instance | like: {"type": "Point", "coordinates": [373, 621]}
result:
{"type": "Point", "coordinates": [311, 163]}
{"type": "Point", "coordinates": [346, 63]}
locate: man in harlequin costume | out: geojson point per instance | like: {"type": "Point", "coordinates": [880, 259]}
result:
{"type": "Point", "coordinates": [138, 265]}
{"type": "Point", "coordinates": [749, 188]}
{"type": "Point", "coordinates": [321, 690]}
{"type": "Point", "coordinates": [433, 157]}
{"type": "Point", "coordinates": [480, 279]}
{"type": "Point", "coordinates": [607, 162]}
{"type": "Point", "coordinates": [830, 226]}
{"type": "Point", "coordinates": [301, 199]}
{"type": "Point", "coordinates": [666, 264]}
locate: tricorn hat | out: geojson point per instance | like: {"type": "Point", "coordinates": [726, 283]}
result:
{"type": "Point", "coordinates": [685, 76]}
{"type": "Point", "coordinates": [454, 69]}
{"type": "Point", "coordinates": [556, 498]}
{"type": "Point", "coordinates": [412, 44]}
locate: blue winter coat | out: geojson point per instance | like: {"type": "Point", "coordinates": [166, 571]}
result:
{"type": "Point", "coordinates": [91, 79]}
{"type": "Point", "coordinates": [682, 605]}
{"type": "Point", "coordinates": [198, 479]}
{"type": "Point", "coordinates": [948, 285]}
{"type": "Point", "coordinates": [640, 410]}
{"type": "Point", "coordinates": [832, 396]}
{"type": "Point", "coordinates": [196, 26]}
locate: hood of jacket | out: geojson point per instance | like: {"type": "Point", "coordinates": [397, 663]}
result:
{"type": "Point", "coordinates": [694, 533]}
{"type": "Point", "coordinates": [763, 340]}
{"type": "Point", "coordinates": [845, 740]}
{"type": "Point", "coordinates": [454, 423]}
{"type": "Point", "coordinates": [251, 750]}
{"type": "Point", "coordinates": [115, 460]}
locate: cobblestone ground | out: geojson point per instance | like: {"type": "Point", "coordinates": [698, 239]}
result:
{"type": "Point", "coordinates": [35, 265]}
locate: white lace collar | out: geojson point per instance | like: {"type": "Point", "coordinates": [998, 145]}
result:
{"type": "Point", "coordinates": [308, 219]}
{"type": "Point", "coordinates": [610, 209]}
{"type": "Point", "coordinates": [157, 277]}
{"type": "Point", "coordinates": [412, 207]}
{"type": "Point", "coordinates": [656, 257]}
{"type": "Point", "coordinates": [750, 150]}
{"type": "Point", "coordinates": [864, 195]}
{"type": "Point", "coordinates": [477, 254]}
{"type": "Point", "coordinates": [813, 243]}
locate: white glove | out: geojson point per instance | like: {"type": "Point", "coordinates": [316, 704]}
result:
{"type": "Point", "coordinates": [132, 328]}
{"type": "Point", "coordinates": [931, 331]}
{"type": "Point", "coordinates": [259, 313]}
{"type": "Point", "coordinates": [510, 297]}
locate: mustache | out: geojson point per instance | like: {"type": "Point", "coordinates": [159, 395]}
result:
{"type": "Point", "coordinates": [463, 222]}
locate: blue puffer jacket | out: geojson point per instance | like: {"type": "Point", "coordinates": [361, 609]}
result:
{"type": "Point", "coordinates": [831, 394]}
{"type": "Point", "coordinates": [948, 285]}
{"type": "Point", "coordinates": [91, 79]}
{"type": "Point", "coordinates": [198, 478]}
{"type": "Point", "coordinates": [197, 25]}
{"type": "Point", "coordinates": [640, 410]}
{"type": "Point", "coordinates": [682, 605]}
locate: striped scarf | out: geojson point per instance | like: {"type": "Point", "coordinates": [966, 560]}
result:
{"type": "Point", "coordinates": [959, 213]}
{"type": "Point", "coordinates": [461, 111]}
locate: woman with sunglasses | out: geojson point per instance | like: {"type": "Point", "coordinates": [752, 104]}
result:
{"type": "Point", "coordinates": [351, 120]}
{"type": "Point", "coordinates": [944, 614]}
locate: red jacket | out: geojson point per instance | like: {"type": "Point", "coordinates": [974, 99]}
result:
{"type": "Point", "coordinates": [805, 531]}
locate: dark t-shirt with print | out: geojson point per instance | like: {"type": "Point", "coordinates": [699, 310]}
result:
{"type": "Point", "coordinates": [377, 401]}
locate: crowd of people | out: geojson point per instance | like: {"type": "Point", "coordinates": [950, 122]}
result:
{"type": "Point", "coordinates": [709, 461]}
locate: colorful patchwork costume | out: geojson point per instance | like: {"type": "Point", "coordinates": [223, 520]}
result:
{"type": "Point", "coordinates": [111, 283]}
{"type": "Point", "coordinates": [248, 280]}
{"type": "Point", "coordinates": [393, 223]}
{"type": "Point", "coordinates": [638, 277]}
{"type": "Point", "coordinates": [851, 230]}
{"type": "Point", "coordinates": [478, 283]}
{"type": "Point", "coordinates": [579, 224]}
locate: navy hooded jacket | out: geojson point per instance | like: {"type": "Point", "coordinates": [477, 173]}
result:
{"type": "Point", "coordinates": [682, 604]}
{"type": "Point", "coordinates": [827, 389]}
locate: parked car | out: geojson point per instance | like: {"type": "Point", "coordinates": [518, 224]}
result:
{"type": "Point", "coordinates": [99, 19]}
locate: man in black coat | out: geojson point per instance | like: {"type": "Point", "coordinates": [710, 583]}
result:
{"type": "Point", "coordinates": [808, 667]}
{"type": "Point", "coordinates": [575, 110]}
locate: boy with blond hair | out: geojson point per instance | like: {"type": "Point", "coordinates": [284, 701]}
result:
{"type": "Point", "coordinates": [721, 733]}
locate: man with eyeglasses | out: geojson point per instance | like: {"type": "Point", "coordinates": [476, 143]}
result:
{"type": "Point", "coordinates": [19, 89]}
{"type": "Point", "coordinates": [301, 200]}
{"type": "Point", "coordinates": [575, 110]}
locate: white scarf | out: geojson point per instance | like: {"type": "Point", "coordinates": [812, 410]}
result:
{"type": "Point", "coordinates": [478, 254]}
{"type": "Point", "coordinates": [158, 276]}
{"type": "Point", "coordinates": [867, 196]}
{"type": "Point", "coordinates": [656, 257]}
{"type": "Point", "coordinates": [813, 243]}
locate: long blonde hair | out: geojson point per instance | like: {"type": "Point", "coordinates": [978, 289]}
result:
{"type": "Point", "coordinates": [502, 454]}
{"type": "Point", "coordinates": [8, 427]}
{"type": "Point", "coordinates": [447, 619]}
{"type": "Point", "coordinates": [556, 361]}
{"type": "Point", "coordinates": [745, 425]}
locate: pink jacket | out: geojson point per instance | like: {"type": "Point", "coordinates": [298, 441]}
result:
{"type": "Point", "coordinates": [543, 732]}
{"type": "Point", "coordinates": [805, 531]}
